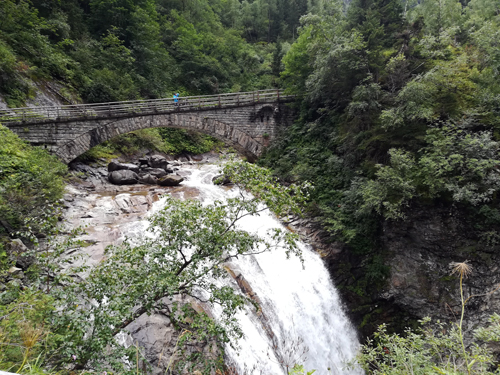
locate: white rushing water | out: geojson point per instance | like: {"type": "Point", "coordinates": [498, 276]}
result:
{"type": "Point", "coordinates": [300, 305]}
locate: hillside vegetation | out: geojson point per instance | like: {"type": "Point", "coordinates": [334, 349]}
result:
{"type": "Point", "coordinates": [103, 50]}
{"type": "Point", "coordinates": [399, 110]}
{"type": "Point", "coordinates": [31, 182]}
{"type": "Point", "coordinates": [399, 105]}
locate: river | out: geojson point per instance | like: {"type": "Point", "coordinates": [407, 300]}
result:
{"type": "Point", "coordinates": [301, 318]}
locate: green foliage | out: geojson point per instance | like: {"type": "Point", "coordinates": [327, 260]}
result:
{"type": "Point", "coordinates": [300, 370]}
{"type": "Point", "coordinates": [25, 340]}
{"type": "Point", "coordinates": [31, 180]}
{"type": "Point", "coordinates": [455, 163]}
{"type": "Point", "coordinates": [12, 85]}
{"type": "Point", "coordinates": [119, 50]}
{"type": "Point", "coordinates": [185, 257]}
{"type": "Point", "coordinates": [435, 349]}
{"type": "Point", "coordinates": [178, 141]}
{"type": "Point", "coordinates": [167, 140]}
{"type": "Point", "coordinates": [398, 105]}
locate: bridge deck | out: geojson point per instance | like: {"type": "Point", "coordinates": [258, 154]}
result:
{"type": "Point", "coordinates": [36, 115]}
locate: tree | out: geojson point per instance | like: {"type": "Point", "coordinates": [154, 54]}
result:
{"type": "Point", "coordinates": [185, 257]}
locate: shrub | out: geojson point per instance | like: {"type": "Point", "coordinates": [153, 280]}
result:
{"type": "Point", "coordinates": [31, 180]}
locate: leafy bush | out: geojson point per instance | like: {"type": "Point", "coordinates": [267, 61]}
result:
{"type": "Point", "coordinates": [178, 141]}
{"type": "Point", "coordinates": [456, 163]}
{"type": "Point", "coordinates": [436, 348]}
{"type": "Point", "coordinates": [25, 336]}
{"type": "Point", "coordinates": [12, 84]}
{"type": "Point", "coordinates": [30, 181]}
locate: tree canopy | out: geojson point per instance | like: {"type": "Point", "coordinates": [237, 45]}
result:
{"type": "Point", "coordinates": [104, 50]}
{"type": "Point", "coordinates": [399, 106]}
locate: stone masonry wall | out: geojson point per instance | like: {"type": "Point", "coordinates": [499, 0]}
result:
{"type": "Point", "coordinates": [247, 128]}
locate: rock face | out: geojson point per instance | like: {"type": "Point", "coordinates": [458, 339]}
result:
{"type": "Point", "coordinates": [157, 337]}
{"type": "Point", "coordinates": [170, 180]}
{"type": "Point", "coordinates": [157, 172]}
{"type": "Point", "coordinates": [418, 252]}
{"type": "Point", "coordinates": [93, 177]}
{"type": "Point", "coordinates": [20, 253]}
{"type": "Point", "coordinates": [421, 251]}
{"type": "Point", "coordinates": [158, 161]}
{"type": "Point", "coordinates": [149, 171]}
{"type": "Point", "coordinates": [148, 179]}
{"type": "Point", "coordinates": [123, 177]}
{"type": "Point", "coordinates": [115, 166]}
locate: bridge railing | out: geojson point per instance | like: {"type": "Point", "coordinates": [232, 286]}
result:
{"type": "Point", "coordinates": [30, 115]}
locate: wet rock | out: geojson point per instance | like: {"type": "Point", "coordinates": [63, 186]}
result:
{"type": "Point", "coordinates": [158, 161]}
{"type": "Point", "coordinates": [170, 180]}
{"type": "Point", "coordinates": [157, 172]}
{"type": "Point", "coordinates": [80, 167]}
{"type": "Point", "coordinates": [148, 179]}
{"type": "Point", "coordinates": [123, 177]}
{"type": "Point", "coordinates": [18, 251]}
{"type": "Point", "coordinates": [197, 157]}
{"type": "Point", "coordinates": [115, 166]}
{"type": "Point", "coordinates": [221, 180]}
{"type": "Point", "coordinates": [17, 247]}
{"type": "Point", "coordinates": [93, 176]}
{"type": "Point", "coordinates": [15, 271]}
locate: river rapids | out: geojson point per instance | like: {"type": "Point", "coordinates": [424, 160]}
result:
{"type": "Point", "coordinates": [301, 319]}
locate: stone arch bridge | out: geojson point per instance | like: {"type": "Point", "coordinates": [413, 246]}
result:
{"type": "Point", "coordinates": [247, 121]}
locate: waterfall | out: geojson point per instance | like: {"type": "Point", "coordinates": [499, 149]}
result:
{"type": "Point", "coordinates": [301, 318]}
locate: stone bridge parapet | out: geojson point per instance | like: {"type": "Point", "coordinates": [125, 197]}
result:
{"type": "Point", "coordinates": [246, 125]}
{"type": "Point", "coordinates": [248, 129]}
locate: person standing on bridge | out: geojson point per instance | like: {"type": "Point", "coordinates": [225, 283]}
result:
{"type": "Point", "coordinates": [176, 99]}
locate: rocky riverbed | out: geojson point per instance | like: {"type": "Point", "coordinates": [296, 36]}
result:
{"type": "Point", "coordinates": [109, 213]}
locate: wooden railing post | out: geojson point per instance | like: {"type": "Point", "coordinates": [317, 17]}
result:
{"type": "Point", "coordinates": [258, 97]}
{"type": "Point", "coordinates": [278, 95]}
{"type": "Point", "coordinates": [219, 100]}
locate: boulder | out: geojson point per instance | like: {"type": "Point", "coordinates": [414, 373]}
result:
{"type": "Point", "coordinates": [115, 166]}
{"type": "Point", "coordinates": [149, 179]}
{"type": "Point", "coordinates": [197, 157]}
{"type": "Point", "coordinates": [170, 180]}
{"type": "Point", "coordinates": [158, 161]}
{"type": "Point", "coordinates": [17, 247]}
{"type": "Point", "coordinates": [143, 161]}
{"type": "Point", "coordinates": [14, 270]}
{"type": "Point", "coordinates": [123, 177]}
{"type": "Point", "coordinates": [221, 180]}
{"type": "Point", "coordinates": [18, 250]}
{"type": "Point", "coordinates": [157, 172]}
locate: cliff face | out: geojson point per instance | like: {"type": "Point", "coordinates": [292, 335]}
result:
{"type": "Point", "coordinates": [420, 252]}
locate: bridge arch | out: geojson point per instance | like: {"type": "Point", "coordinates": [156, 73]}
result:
{"type": "Point", "coordinates": [250, 146]}
{"type": "Point", "coordinates": [245, 120]}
